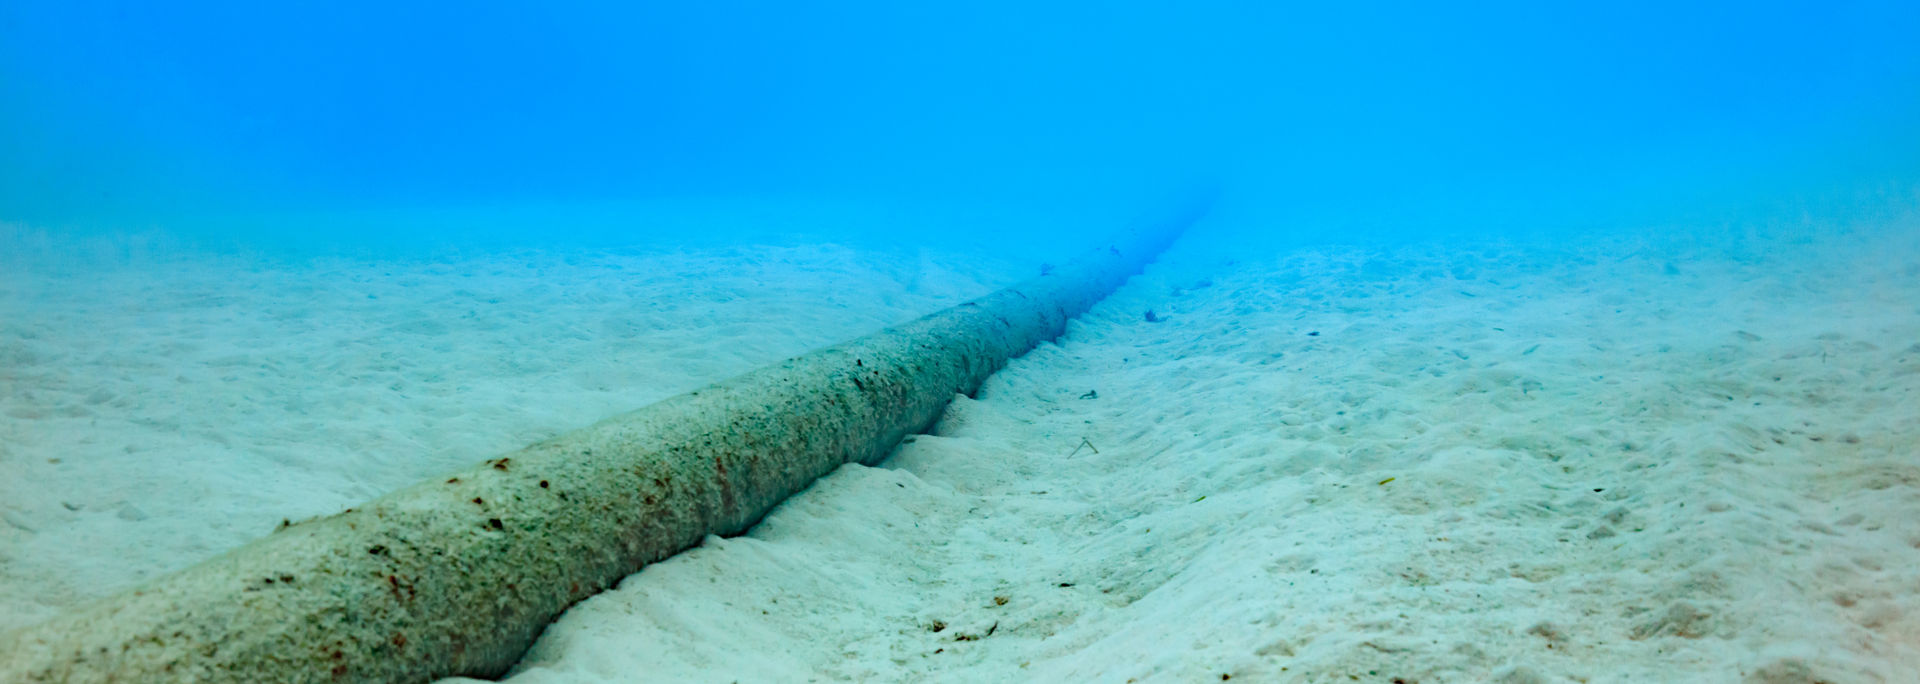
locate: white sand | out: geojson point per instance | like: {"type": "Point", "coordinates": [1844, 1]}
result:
{"type": "Point", "coordinates": [1602, 469]}
{"type": "Point", "coordinates": [155, 414]}
{"type": "Point", "coordinates": [1507, 464]}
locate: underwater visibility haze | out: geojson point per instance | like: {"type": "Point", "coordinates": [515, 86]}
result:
{"type": "Point", "coordinates": [1403, 117]}
{"type": "Point", "coordinates": [1517, 342]}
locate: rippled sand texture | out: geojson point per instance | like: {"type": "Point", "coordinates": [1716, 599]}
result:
{"type": "Point", "coordinates": [154, 415]}
{"type": "Point", "coordinates": [1601, 463]}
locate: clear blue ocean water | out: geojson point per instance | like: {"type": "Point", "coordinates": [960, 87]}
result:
{"type": "Point", "coordinates": [1620, 295]}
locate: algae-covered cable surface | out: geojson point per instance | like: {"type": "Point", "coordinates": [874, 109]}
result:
{"type": "Point", "coordinates": [458, 575]}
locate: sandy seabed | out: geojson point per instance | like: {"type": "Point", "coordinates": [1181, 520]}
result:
{"type": "Point", "coordinates": [1625, 459]}
{"type": "Point", "coordinates": [154, 414]}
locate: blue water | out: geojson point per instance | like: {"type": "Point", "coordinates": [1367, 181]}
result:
{"type": "Point", "coordinates": [263, 262]}
{"type": "Point", "coordinates": [293, 123]}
